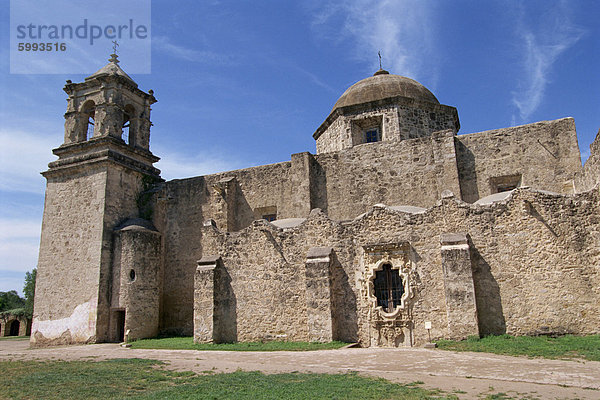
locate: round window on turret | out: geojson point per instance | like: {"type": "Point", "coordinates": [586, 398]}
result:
{"type": "Point", "coordinates": [132, 275]}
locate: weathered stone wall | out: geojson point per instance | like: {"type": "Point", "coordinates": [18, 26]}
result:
{"type": "Point", "coordinates": [345, 184]}
{"type": "Point", "coordinates": [534, 262]}
{"type": "Point", "coordinates": [403, 119]}
{"type": "Point", "coordinates": [178, 216]}
{"type": "Point", "coordinates": [183, 205]}
{"type": "Point", "coordinates": [545, 154]}
{"type": "Point", "coordinates": [407, 172]}
{"type": "Point", "coordinates": [265, 271]}
{"type": "Point", "coordinates": [70, 253]}
{"type": "Point", "coordinates": [589, 177]}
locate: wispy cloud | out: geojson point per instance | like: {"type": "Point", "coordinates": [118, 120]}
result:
{"type": "Point", "coordinates": [179, 51]}
{"type": "Point", "coordinates": [313, 78]}
{"type": "Point", "coordinates": [22, 157]}
{"type": "Point", "coordinates": [402, 30]}
{"type": "Point", "coordinates": [543, 42]}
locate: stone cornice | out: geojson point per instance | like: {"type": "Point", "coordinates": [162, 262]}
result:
{"type": "Point", "coordinates": [67, 150]}
{"type": "Point", "coordinates": [98, 81]}
{"type": "Point", "coordinates": [104, 149]}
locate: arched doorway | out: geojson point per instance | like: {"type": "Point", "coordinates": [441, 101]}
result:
{"type": "Point", "coordinates": [14, 328]}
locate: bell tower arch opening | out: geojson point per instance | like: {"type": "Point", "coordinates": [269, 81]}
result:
{"type": "Point", "coordinates": [88, 110]}
{"type": "Point", "coordinates": [128, 129]}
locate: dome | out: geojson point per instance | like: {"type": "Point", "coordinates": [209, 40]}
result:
{"type": "Point", "coordinates": [383, 85]}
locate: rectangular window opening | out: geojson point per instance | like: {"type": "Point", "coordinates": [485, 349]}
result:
{"type": "Point", "coordinates": [504, 183]}
{"type": "Point", "coordinates": [269, 213]}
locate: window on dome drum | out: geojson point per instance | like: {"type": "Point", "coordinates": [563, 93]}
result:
{"type": "Point", "coordinates": [389, 288]}
{"type": "Point", "coordinates": [372, 135]}
{"type": "Point", "coordinates": [366, 129]}
{"type": "Point", "coordinates": [270, 217]}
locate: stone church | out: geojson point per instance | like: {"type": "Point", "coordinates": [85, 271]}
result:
{"type": "Point", "coordinates": [398, 229]}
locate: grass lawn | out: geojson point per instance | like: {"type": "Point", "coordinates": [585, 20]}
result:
{"type": "Point", "coordinates": [187, 343]}
{"type": "Point", "coordinates": [586, 347]}
{"type": "Point", "coordinates": [13, 337]}
{"type": "Point", "coordinates": [146, 379]}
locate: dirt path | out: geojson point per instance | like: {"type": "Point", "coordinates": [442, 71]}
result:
{"type": "Point", "coordinates": [477, 374]}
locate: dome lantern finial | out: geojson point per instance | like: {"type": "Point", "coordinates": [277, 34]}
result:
{"type": "Point", "coordinates": [381, 71]}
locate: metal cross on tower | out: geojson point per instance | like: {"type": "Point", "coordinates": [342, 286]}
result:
{"type": "Point", "coordinates": [114, 58]}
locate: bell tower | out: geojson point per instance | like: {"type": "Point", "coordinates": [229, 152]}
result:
{"type": "Point", "coordinates": [108, 104]}
{"type": "Point", "coordinates": [103, 167]}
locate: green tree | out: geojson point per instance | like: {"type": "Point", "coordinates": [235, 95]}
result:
{"type": "Point", "coordinates": [11, 300]}
{"type": "Point", "coordinates": [29, 290]}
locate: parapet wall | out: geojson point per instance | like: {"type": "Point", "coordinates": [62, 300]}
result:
{"type": "Point", "coordinates": [542, 155]}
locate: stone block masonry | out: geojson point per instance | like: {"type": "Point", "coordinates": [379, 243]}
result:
{"type": "Point", "coordinates": [548, 282]}
{"type": "Point", "coordinates": [461, 308]}
{"type": "Point", "coordinates": [318, 294]}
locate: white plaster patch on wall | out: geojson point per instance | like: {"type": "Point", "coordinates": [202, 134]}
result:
{"type": "Point", "coordinates": [81, 323]}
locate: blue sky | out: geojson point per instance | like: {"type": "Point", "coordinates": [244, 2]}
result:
{"type": "Point", "coordinates": [246, 83]}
